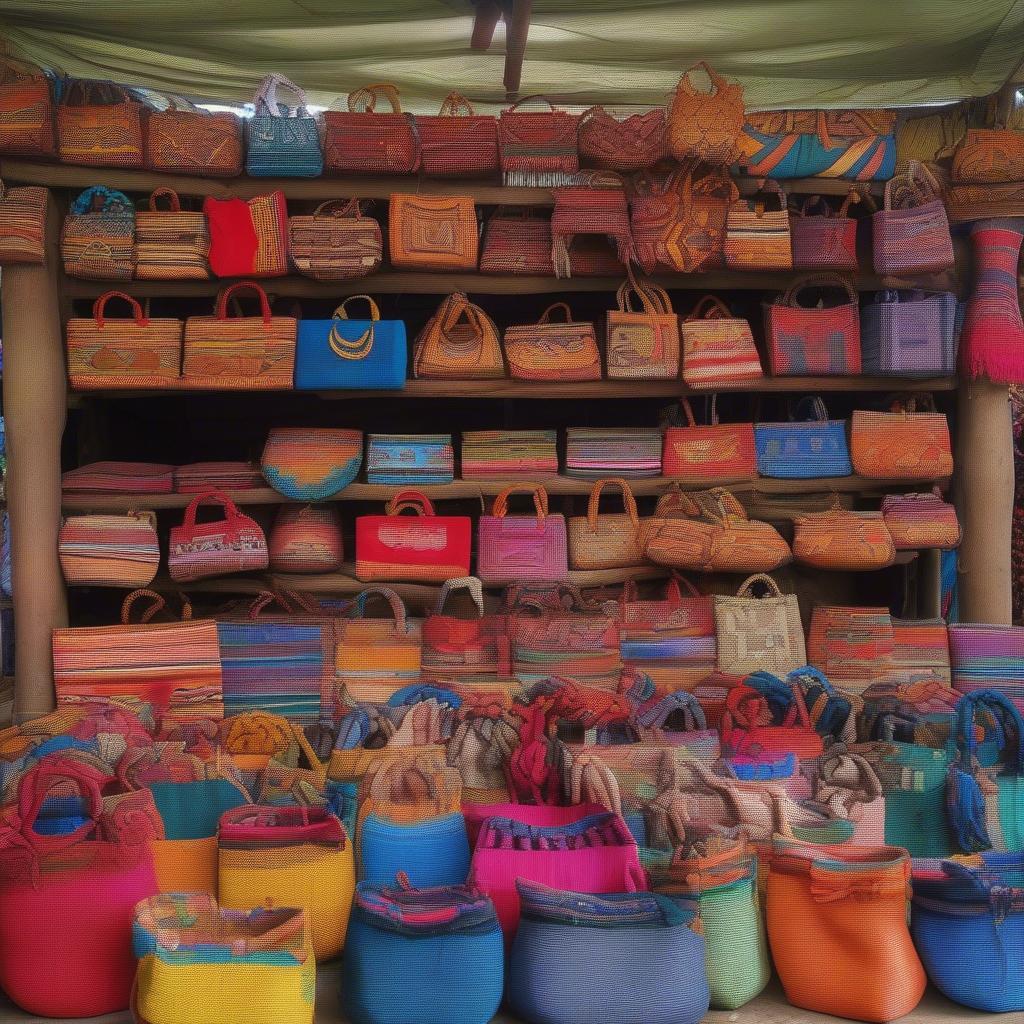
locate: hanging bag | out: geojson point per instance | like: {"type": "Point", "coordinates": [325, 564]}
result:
{"type": "Point", "coordinates": [553, 350]}
{"type": "Point", "coordinates": [810, 445]}
{"type": "Point", "coordinates": [757, 238]}
{"type": "Point", "coordinates": [631, 144]}
{"type": "Point", "coordinates": [706, 126]}
{"type": "Point", "coordinates": [538, 147]}
{"type": "Point", "coordinates": [511, 549]}
{"type": "Point", "coordinates": [194, 141]}
{"type": "Point", "coordinates": [718, 349]}
{"type": "Point", "coordinates": [99, 125]}
{"type": "Point", "coordinates": [233, 543]}
{"type": "Point", "coordinates": [138, 352]}
{"type": "Point", "coordinates": [248, 237]}
{"type": "Point", "coordinates": [26, 110]}
{"type": "Point", "coordinates": [456, 142]}
{"type": "Point", "coordinates": [910, 334]}
{"type": "Point", "coordinates": [432, 232]}
{"type": "Point", "coordinates": [642, 344]}
{"type": "Point", "coordinates": [22, 222]}
{"type": "Point", "coordinates": [718, 453]}
{"type": "Point", "coordinates": [109, 550]}
{"type": "Point", "coordinates": [335, 242]}
{"type": "Point", "coordinates": [171, 245]}
{"type": "Point", "coordinates": [282, 142]}
{"type": "Point", "coordinates": [460, 342]}
{"type": "Point", "coordinates": [840, 539]}
{"type": "Point", "coordinates": [759, 633]}
{"type": "Point", "coordinates": [341, 353]}
{"type": "Point", "coordinates": [606, 541]}
{"type": "Point", "coordinates": [97, 239]}
{"type": "Point", "coordinates": [910, 234]}
{"type": "Point", "coordinates": [902, 444]}
{"type": "Point", "coordinates": [826, 240]}
{"type": "Point", "coordinates": [366, 142]}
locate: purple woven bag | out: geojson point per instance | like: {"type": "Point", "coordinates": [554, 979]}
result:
{"type": "Point", "coordinates": [910, 234]}
{"type": "Point", "coordinates": [826, 240]}
{"type": "Point", "coordinates": [910, 334]}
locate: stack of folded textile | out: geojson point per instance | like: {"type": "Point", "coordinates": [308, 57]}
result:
{"type": "Point", "coordinates": [498, 454]}
{"type": "Point", "coordinates": [612, 451]}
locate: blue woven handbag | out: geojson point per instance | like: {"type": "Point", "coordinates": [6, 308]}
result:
{"type": "Point", "coordinates": [810, 445]}
{"type": "Point", "coordinates": [343, 353]}
{"type": "Point", "coordinates": [432, 955]}
{"type": "Point", "coordinates": [280, 143]}
{"type": "Point", "coordinates": [412, 459]}
{"type": "Point", "coordinates": [968, 926]}
{"type": "Point", "coordinates": [431, 852]}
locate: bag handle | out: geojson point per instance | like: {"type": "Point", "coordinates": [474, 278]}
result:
{"type": "Point", "coordinates": [266, 95]}
{"type": "Point", "coordinates": [164, 193]}
{"type": "Point", "coordinates": [341, 313]}
{"type": "Point", "coordinates": [396, 603]}
{"type": "Point", "coordinates": [818, 281]}
{"type": "Point", "coordinates": [99, 306]}
{"type": "Point", "coordinates": [231, 511]}
{"type": "Point", "coordinates": [853, 196]}
{"type": "Point", "coordinates": [769, 186]}
{"type": "Point", "coordinates": [369, 94]}
{"type": "Point", "coordinates": [157, 606]}
{"type": "Point", "coordinates": [287, 600]}
{"type": "Point", "coordinates": [526, 99]}
{"type": "Point", "coordinates": [627, 499]}
{"type": "Point", "coordinates": [340, 208]}
{"type": "Point", "coordinates": [353, 348]}
{"type": "Point", "coordinates": [410, 500]}
{"type": "Point", "coordinates": [688, 410]}
{"type": "Point", "coordinates": [540, 500]}
{"type": "Point", "coordinates": [456, 105]}
{"type": "Point", "coordinates": [746, 587]}
{"type": "Point", "coordinates": [226, 293]}
{"type": "Point", "coordinates": [563, 307]}
{"type": "Point", "coordinates": [37, 784]}
{"type": "Point", "coordinates": [710, 307]}
{"type": "Point", "coordinates": [1007, 717]}
{"type": "Point", "coordinates": [470, 584]}
{"type": "Point", "coordinates": [718, 83]}
{"type": "Point", "coordinates": [815, 202]}
{"type": "Point", "coordinates": [916, 176]}
{"type": "Point", "coordinates": [818, 409]}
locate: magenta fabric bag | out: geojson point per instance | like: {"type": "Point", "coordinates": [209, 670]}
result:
{"type": "Point", "coordinates": [518, 549]}
{"type": "Point", "coordinates": [529, 814]}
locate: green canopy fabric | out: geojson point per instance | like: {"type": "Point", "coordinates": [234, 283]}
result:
{"type": "Point", "coordinates": [787, 53]}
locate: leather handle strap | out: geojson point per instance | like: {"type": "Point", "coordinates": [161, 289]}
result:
{"type": "Point", "coordinates": [627, 497]}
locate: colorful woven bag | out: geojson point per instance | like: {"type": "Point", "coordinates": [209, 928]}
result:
{"type": "Point", "coordinates": [511, 549]}
{"type": "Point", "coordinates": [826, 240]}
{"type": "Point", "coordinates": [852, 646]}
{"type": "Point", "coordinates": [432, 232]}
{"type": "Point", "coordinates": [240, 353]}
{"type": "Point", "coordinates": [217, 966]}
{"type": "Point", "coordinates": [109, 550]}
{"type": "Point", "coordinates": [517, 241]}
{"type": "Point", "coordinates": [699, 455]}
{"type": "Point", "coordinates": [341, 353]}
{"type": "Point", "coordinates": [633, 143]}
{"type": "Point", "coordinates": [910, 235]}
{"type": "Point", "coordinates": [248, 237]}
{"type": "Point", "coordinates": [759, 633]}
{"type": "Point", "coordinates": [194, 141]}
{"type": "Point", "coordinates": [988, 657]}
{"type": "Point", "coordinates": [456, 142]}
{"type": "Point", "coordinates": [196, 477]}
{"type": "Point", "coordinates": [460, 341]}
{"type": "Point", "coordinates": [805, 447]}
{"type": "Point", "coordinates": [591, 214]}
{"type": "Point", "coordinates": [910, 334]}
{"type": "Point", "coordinates": [705, 125]}
{"type": "Point", "coordinates": [133, 353]}
{"type": "Point", "coordinates": [840, 539]}
{"type": "Point", "coordinates": [171, 245]}
{"type": "Point", "coordinates": [426, 547]}
{"type": "Point", "coordinates": [120, 477]}
{"type": "Point", "coordinates": [289, 857]}
{"type": "Point", "coordinates": [501, 454]}
{"type": "Point", "coordinates": [366, 142]}
{"type": "Point", "coordinates": [335, 242]}
{"type": "Point", "coordinates": [718, 349]}
{"type": "Point", "coordinates": [901, 445]}
{"type": "Point", "coordinates": [233, 543]}
{"type": "Point", "coordinates": [26, 110]}
{"type": "Point", "coordinates": [606, 541]}
{"type": "Point", "coordinates": [553, 350]}
{"type": "Point", "coordinates": [642, 344]}
{"type": "Point", "coordinates": [594, 452]}
{"type": "Point", "coordinates": [757, 238]}
{"type": "Point", "coordinates": [99, 125]}
{"type": "Point", "coordinates": [914, 777]}
{"type": "Point", "coordinates": [306, 539]}
{"type": "Point", "coordinates": [97, 239]}
{"type": "Point", "coordinates": [813, 340]}
{"type": "Point", "coordinates": [410, 460]}
{"type": "Point", "coordinates": [457, 647]}
{"type": "Point", "coordinates": [538, 147]}
{"type": "Point", "coordinates": [921, 521]}
{"type": "Point", "coordinates": [282, 141]}
{"type": "Point", "coordinates": [308, 464]}
{"type": "Point", "coordinates": [22, 222]}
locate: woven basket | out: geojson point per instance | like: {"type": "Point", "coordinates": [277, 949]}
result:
{"type": "Point", "coordinates": [22, 223]}
{"type": "Point", "coordinates": [97, 239]}
{"type": "Point", "coordinates": [99, 125]}
{"type": "Point", "coordinates": [109, 550]}
{"type": "Point", "coordinates": [460, 341]}
{"type": "Point", "coordinates": [541, 144]}
{"type": "Point", "coordinates": [826, 240]}
{"type": "Point", "coordinates": [282, 141]}
{"type": "Point", "coordinates": [702, 125]}
{"type": "Point", "coordinates": [517, 241]}
{"type": "Point", "coordinates": [644, 344]}
{"type": "Point", "coordinates": [457, 142]}
{"type": "Point", "coordinates": [336, 241]}
{"type": "Point", "coordinates": [511, 549]}
{"type": "Point", "coordinates": [921, 521]}
{"type": "Point", "coordinates": [432, 232]}
{"type": "Point", "coordinates": [171, 245]}
{"type": "Point", "coordinates": [697, 455]}
{"type": "Point", "coordinates": [198, 142]}
{"type": "Point", "coordinates": [26, 110]}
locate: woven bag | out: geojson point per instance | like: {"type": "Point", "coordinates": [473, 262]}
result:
{"type": "Point", "coordinates": [26, 110]}
{"type": "Point", "coordinates": [460, 342]}
{"type": "Point", "coordinates": [410, 459]}
{"type": "Point", "coordinates": [99, 125]}
{"type": "Point", "coordinates": [678, 223]}
{"type": "Point", "coordinates": [234, 543]}
{"type": "Point", "coordinates": [988, 656]}
{"type": "Point", "coordinates": [171, 245]}
{"type": "Point", "coordinates": [248, 237]}
{"type": "Point", "coordinates": [97, 239]}
{"type": "Point", "coordinates": [590, 211]}
{"type": "Point", "coordinates": [594, 452]}
{"type": "Point", "coordinates": [632, 144]}
{"type": "Point", "coordinates": [174, 666]}
{"type": "Point", "coordinates": [500, 454]}
{"type": "Point", "coordinates": [757, 238]}
{"type": "Point", "coordinates": [921, 521]}
{"type": "Point", "coordinates": [642, 344]}
{"type": "Point", "coordinates": [240, 353]}
{"type": "Point", "coordinates": [22, 223]}
{"type": "Point", "coordinates": [910, 234]}
{"type": "Point", "coordinates": [335, 242]}
{"type": "Point", "coordinates": [852, 646]}
{"type": "Point", "coordinates": [282, 141]}
{"type": "Point", "coordinates": [606, 541]}
{"type": "Point", "coordinates": [366, 142]}
{"type": "Point", "coordinates": [432, 232]}
{"type": "Point", "coordinates": [989, 156]}
{"type": "Point", "coordinates": [751, 726]}
{"type": "Point", "coordinates": [133, 353]}
{"type": "Point", "coordinates": [825, 240]}
{"type": "Point", "coordinates": [844, 540]}
{"type": "Point", "coordinates": [708, 531]}
{"type": "Point", "coordinates": [426, 547]}
{"type": "Point", "coordinates": [456, 647]}
{"type": "Point", "coordinates": [109, 550]}
{"type": "Point", "coordinates": [902, 444]}
{"type": "Point", "coordinates": [910, 334]}
{"type": "Point", "coordinates": [311, 464]}
{"type": "Point", "coordinates": [718, 453]}
{"type": "Point", "coordinates": [538, 147]}
{"type": "Point", "coordinates": [199, 960]}
{"type": "Point", "coordinates": [511, 549]}
{"type": "Point", "coordinates": [119, 477]}
{"type": "Point", "coordinates": [706, 125]}
{"type": "Point", "coordinates": [810, 445]}
{"type": "Point", "coordinates": [194, 141]}
{"type": "Point", "coordinates": [517, 241]}
{"type": "Point", "coordinates": [306, 539]}
{"type": "Point", "coordinates": [759, 633]}
{"type": "Point", "coordinates": [717, 347]}
{"type": "Point", "coordinates": [553, 350]}
{"type": "Point", "coordinates": [815, 340]}
{"type": "Point", "coordinates": [457, 142]}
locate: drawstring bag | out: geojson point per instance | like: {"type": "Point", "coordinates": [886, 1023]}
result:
{"type": "Point", "coordinates": [430, 955]}
{"type": "Point", "coordinates": [207, 965]}
{"type": "Point", "coordinates": [967, 919]}
{"type": "Point", "coordinates": [837, 924]}
{"type": "Point", "coordinates": [575, 958]}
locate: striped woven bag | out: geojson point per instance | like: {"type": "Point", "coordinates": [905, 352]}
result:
{"type": "Point", "coordinates": [757, 238]}
{"type": "Point", "coordinates": [589, 211]}
{"type": "Point", "coordinates": [718, 348]}
{"type": "Point", "coordinates": [988, 657]}
{"type": "Point", "coordinates": [171, 245]}
{"type": "Point", "coordinates": [99, 125]}
{"type": "Point", "coordinates": [306, 539]}
{"type": "Point", "coordinates": [336, 241]}
{"type": "Point", "coordinates": [97, 240]}
{"type": "Point", "coordinates": [22, 224]}
{"type": "Point", "coordinates": [109, 550]}
{"type": "Point", "coordinates": [26, 110]}
{"type": "Point", "coordinates": [910, 234]}
{"type": "Point", "coordinates": [539, 148]}
{"type": "Point", "coordinates": [248, 237]}
{"type": "Point", "coordinates": [456, 142]}
{"type": "Point", "coordinates": [852, 646]}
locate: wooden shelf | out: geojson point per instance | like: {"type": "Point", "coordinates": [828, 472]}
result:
{"type": "Point", "coordinates": [470, 489]}
{"type": "Point", "coordinates": [485, 192]}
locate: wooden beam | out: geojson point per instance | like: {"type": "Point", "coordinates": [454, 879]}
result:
{"type": "Point", "coordinates": [517, 31]}
{"type": "Point", "coordinates": [488, 14]}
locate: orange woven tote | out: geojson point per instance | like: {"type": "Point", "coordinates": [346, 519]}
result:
{"type": "Point", "coordinates": [605, 541]}
{"type": "Point", "coordinates": [433, 232]}
{"type": "Point", "coordinates": [840, 539]}
{"type": "Point", "coordinates": [706, 125]}
{"type": "Point", "coordinates": [643, 344]}
{"type": "Point", "coordinates": [99, 125]}
{"type": "Point", "coordinates": [460, 341]}
{"type": "Point", "coordinates": [902, 444]}
{"type": "Point", "coordinates": [553, 349]}
{"type": "Point", "coordinates": [26, 110]}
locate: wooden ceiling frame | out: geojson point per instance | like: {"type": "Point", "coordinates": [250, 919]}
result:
{"type": "Point", "coordinates": [516, 15]}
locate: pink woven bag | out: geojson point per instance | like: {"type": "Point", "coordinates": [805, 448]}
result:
{"type": "Point", "coordinates": [513, 549]}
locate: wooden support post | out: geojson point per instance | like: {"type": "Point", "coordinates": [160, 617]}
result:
{"type": "Point", "coordinates": [35, 409]}
{"type": "Point", "coordinates": [984, 493]}
{"type": "Point", "coordinates": [517, 28]}
{"type": "Point", "coordinates": [488, 14]}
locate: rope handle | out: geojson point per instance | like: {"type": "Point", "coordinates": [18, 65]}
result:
{"type": "Point", "coordinates": [710, 307]}
{"type": "Point", "coordinates": [158, 605]}
{"type": "Point", "coordinates": [688, 410]}
{"type": "Point", "coordinates": [718, 83]}
{"type": "Point", "coordinates": [214, 497]}
{"type": "Point", "coordinates": [818, 409]}
{"type": "Point", "coordinates": [341, 313]}
{"type": "Point", "coordinates": [369, 94]}
{"type": "Point", "coordinates": [653, 299]}
{"type": "Point", "coordinates": [36, 786]}
{"type": "Point", "coordinates": [410, 500]}
{"type": "Point", "coordinates": [395, 602]}
{"type": "Point", "coordinates": [99, 306]}
{"type": "Point", "coordinates": [627, 498]}
{"type": "Point", "coordinates": [917, 180]}
{"type": "Point", "coordinates": [226, 293]}
{"type": "Point", "coordinates": [340, 208]}
{"type": "Point", "coordinates": [473, 586]}
{"type": "Point", "coordinates": [818, 281]}
{"type": "Point", "coordinates": [164, 193]}
{"type": "Point", "coordinates": [540, 500]}
{"type": "Point", "coordinates": [545, 317]}
{"type": "Point", "coordinates": [526, 99]}
{"type": "Point", "coordinates": [757, 203]}
{"type": "Point", "coordinates": [746, 587]}
{"type": "Point", "coordinates": [266, 95]}
{"type": "Point", "coordinates": [456, 105]}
